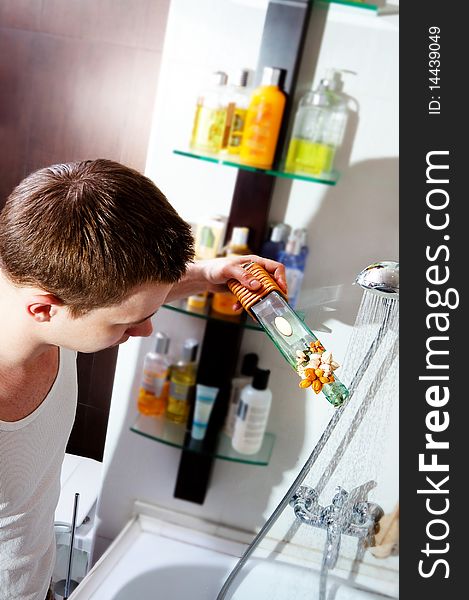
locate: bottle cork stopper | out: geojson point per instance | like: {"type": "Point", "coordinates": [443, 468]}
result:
{"type": "Point", "coordinates": [247, 297]}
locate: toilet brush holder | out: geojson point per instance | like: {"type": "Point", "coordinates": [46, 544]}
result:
{"type": "Point", "coordinates": [64, 587]}
{"type": "Point", "coordinates": [294, 340]}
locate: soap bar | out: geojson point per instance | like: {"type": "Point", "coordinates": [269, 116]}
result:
{"type": "Point", "coordinates": [283, 326]}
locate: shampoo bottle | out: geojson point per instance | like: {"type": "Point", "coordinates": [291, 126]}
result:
{"type": "Point", "coordinates": [272, 247]}
{"type": "Point", "coordinates": [210, 116]}
{"type": "Point", "coordinates": [154, 387]}
{"type": "Point", "coordinates": [252, 414]}
{"type": "Point", "coordinates": [263, 121]}
{"type": "Point", "coordinates": [182, 383]}
{"type": "Point", "coordinates": [247, 370]}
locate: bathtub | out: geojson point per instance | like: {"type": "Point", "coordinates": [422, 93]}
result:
{"type": "Point", "coordinates": [159, 560]}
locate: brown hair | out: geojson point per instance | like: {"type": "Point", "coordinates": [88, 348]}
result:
{"type": "Point", "coordinates": [89, 232]}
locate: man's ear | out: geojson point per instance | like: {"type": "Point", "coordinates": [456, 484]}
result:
{"type": "Point", "coordinates": [42, 307]}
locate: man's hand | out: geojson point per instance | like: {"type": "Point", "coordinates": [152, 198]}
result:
{"type": "Point", "coordinates": [212, 275]}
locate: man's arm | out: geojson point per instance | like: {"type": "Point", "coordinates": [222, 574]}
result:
{"type": "Point", "coordinates": [212, 275]}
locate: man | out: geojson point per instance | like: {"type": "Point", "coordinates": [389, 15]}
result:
{"type": "Point", "coordinates": [88, 253]}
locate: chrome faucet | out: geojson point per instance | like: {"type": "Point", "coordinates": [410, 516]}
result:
{"type": "Point", "coordinates": [345, 515]}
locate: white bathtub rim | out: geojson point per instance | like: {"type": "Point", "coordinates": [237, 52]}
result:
{"type": "Point", "coordinates": [379, 578]}
{"type": "Point", "coordinates": [196, 531]}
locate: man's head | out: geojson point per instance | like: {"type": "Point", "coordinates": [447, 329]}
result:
{"type": "Point", "coordinates": [89, 233]}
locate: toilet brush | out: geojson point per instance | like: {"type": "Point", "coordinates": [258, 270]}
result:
{"type": "Point", "coordinates": [65, 587]}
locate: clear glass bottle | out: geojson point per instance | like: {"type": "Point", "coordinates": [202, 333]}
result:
{"type": "Point", "coordinates": [182, 383]}
{"type": "Point", "coordinates": [210, 116]}
{"type": "Point", "coordinates": [154, 387]}
{"type": "Point", "coordinates": [263, 121]}
{"type": "Point", "coordinates": [318, 128]}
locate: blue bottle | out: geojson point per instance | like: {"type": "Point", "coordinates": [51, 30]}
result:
{"type": "Point", "coordinates": [272, 247]}
{"type": "Point", "coordinates": [294, 263]}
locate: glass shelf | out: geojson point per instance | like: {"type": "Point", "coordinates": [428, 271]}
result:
{"type": "Point", "coordinates": [381, 8]}
{"type": "Point", "coordinates": [172, 434]}
{"type": "Point", "coordinates": [207, 313]}
{"type": "Point", "coordinates": [326, 179]}
{"type": "Point", "coordinates": [364, 5]}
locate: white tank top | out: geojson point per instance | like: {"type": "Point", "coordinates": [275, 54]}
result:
{"type": "Point", "coordinates": [31, 455]}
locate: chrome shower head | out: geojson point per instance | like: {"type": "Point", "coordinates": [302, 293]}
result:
{"type": "Point", "coordinates": [381, 278]}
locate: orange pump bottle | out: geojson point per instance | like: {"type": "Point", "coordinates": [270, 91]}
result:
{"type": "Point", "coordinates": [263, 121]}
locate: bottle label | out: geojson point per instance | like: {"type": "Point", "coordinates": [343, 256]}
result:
{"type": "Point", "coordinates": [256, 417]}
{"type": "Point", "coordinates": [230, 111]}
{"type": "Point", "coordinates": [237, 129]}
{"type": "Point", "coordinates": [242, 410]}
{"type": "Point", "coordinates": [153, 382]}
{"type": "Point", "coordinates": [179, 391]}
{"type": "Point", "coordinates": [210, 129]}
{"type": "Point", "coordinates": [261, 128]}
{"type": "Point", "coordinates": [158, 382]}
{"type": "Point", "coordinates": [147, 381]}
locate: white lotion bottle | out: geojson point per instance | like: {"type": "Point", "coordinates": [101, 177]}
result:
{"type": "Point", "coordinates": [252, 414]}
{"type": "Point", "coordinates": [248, 367]}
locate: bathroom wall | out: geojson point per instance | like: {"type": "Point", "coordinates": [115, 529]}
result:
{"type": "Point", "coordinates": [350, 226]}
{"type": "Point", "coordinates": [78, 80]}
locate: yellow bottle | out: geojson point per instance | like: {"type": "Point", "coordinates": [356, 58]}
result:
{"type": "Point", "coordinates": [182, 383]}
{"type": "Point", "coordinates": [239, 94]}
{"type": "Point", "coordinates": [209, 125]}
{"type": "Point", "coordinates": [263, 121]}
{"type": "Point", "coordinates": [223, 302]}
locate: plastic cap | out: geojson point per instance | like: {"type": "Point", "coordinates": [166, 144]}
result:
{"type": "Point", "coordinates": [285, 231]}
{"type": "Point", "coordinates": [241, 77]}
{"type": "Point", "coordinates": [189, 349]}
{"type": "Point", "coordinates": [278, 233]}
{"type": "Point", "coordinates": [219, 78]}
{"type": "Point", "coordinates": [239, 236]}
{"type": "Point", "coordinates": [271, 76]}
{"type": "Point", "coordinates": [162, 343]}
{"type": "Point", "coordinates": [249, 364]}
{"type": "Point", "coordinates": [261, 379]}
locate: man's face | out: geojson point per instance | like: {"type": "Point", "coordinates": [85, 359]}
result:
{"type": "Point", "coordinates": [106, 327]}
